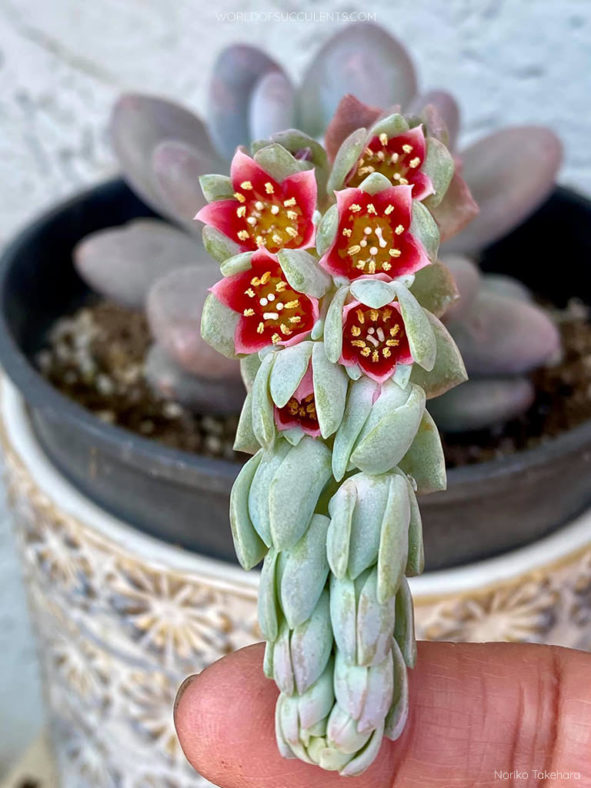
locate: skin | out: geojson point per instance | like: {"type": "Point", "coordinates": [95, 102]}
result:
{"type": "Point", "coordinates": [475, 708]}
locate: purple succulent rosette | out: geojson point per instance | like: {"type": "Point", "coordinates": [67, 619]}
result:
{"type": "Point", "coordinates": [337, 329]}
{"type": "Point", "coordinates": [359, 79]}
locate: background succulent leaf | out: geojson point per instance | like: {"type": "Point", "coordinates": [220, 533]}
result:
{"type": "Point", "coordinates": [362, 59]}
{"type": "Point", "coordinates": [173, 309]}
{"type": "Point", "coordinates": [468, 281]}
{"type": "Point", "coordinates": [122, 263]}
{"type": "Point", "coordinates": [272, 105]}
{"type": "Point", "coordinates": [350, 115]}
{"type": "Point", "coordinates": [177, 168]}
{"type": "Point", "coordinates": [138, 124]}
{"type": "Point", "coordinates": [507, 286]}
{"type": "Point", "coordinates": [236, 74]}
{"type": "Point", "coordinates": [330, 391]}
{"type": "Point", "coordinates": [456, 210]}
{"type": "Point", "coordinates": [510, 173]}
{"type": "Point", "coordinates": [449, 369]}
{"type": "Point", "coordinates": [479, 404]}
{"type": "Point", "coordinates": [245, 440]}
{"type": "Point", "coordinates": [204, 395]}
{"type": "Point", "coordinates": [424, 462]}
{"type": "Point", "coordinates": [501, 336]}
{"type": "Point", "coordinates": [447, 123]}
{"type": "Point", "coordinates": [435, 288]}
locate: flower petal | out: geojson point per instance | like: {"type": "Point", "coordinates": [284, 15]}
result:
{"type": "Point", "coordinates": [351, 114]}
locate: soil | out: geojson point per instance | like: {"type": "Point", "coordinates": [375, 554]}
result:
{"type": "Point", "coordinates": [96, 356]}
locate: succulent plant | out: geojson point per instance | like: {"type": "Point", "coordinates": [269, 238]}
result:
{"type": "Point", "coordinates": [163, 149]}
{"type": "Point", "coordinates": [330, 297]}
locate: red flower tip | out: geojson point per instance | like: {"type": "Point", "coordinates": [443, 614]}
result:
{"type": "Point", "coordinates": [265, 213]}
{"type": "Point", "coordinates": [375, 339]}
{"type": "Point", "coordinates": [399, 158]}
{"type": "Point", "coordinates": [271, 311]}
{"type": "Point", "coordinates": [300, 411]}
{"type": "Point", "coordinates": [373, 235]}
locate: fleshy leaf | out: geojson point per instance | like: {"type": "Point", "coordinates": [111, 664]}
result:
{"type": "Point", "coordinates": [278, 162]}
{"type": "Point", "coordinates": [218, 245]}
{"type": "Point", "coordinates": [435, 288]}
{"type": "Point", "coordinates": [449, 369]}
{"type": "Point", "coordinates": [174, 309]}
{"type": "Point", "coordinates": [467, 278]}
{"type": "Point", "coordinates": [200, 394]}
{"type": "Point", "coordinates": [479, 404]}
{"type": "Point", "coordinates": [510, 173]}
{"type": "Point", "coordinates": [346, 158]}
{"type": "Point", "coordinates": [457, 209]}
{"type": "Point", "coordinates": [250, 549]}
{"type": "Point", "coordinates": [271, 105]}
{"type": "Point", "coordinates": [218, 326]}
{"type": "Point", "coordinates": [288, 370]}
{"type": "Point", "coordinates": [177, 168]}
{"type": "Point", "coordinates": [122, 263]}
{"type": "Point", "coordinates": [245, 439]}
{"type": "Point", "coordinates": [393, 550]}
{"type": "Point", "coordinates": [350, 115]}
{"type": "Point", "coordinates": [333, 325]}
{"type": "Point", "coordinates": [139, 123]}
{"type": "Point", "coordinates": [330, 391]}
{"type": "Point", "coordinates": [447, 110]}
{"type": "Point", "coordinates": [362, 59]}
{"type": "Point", "coordinates": [424, 461]}
{"type": "Point", "coordinates": [418, 329]}
{"type": "Point", "coordinates": [304, 573]}
{"type": "Point", "coordinates": [502, 336]}
{"type": "Point", "coordinates": [303, 273]}
{"type": "Point", "coordinates": [263, 423]}
{"type": "Point", "coordinates": [236, 75]}
{"type": "Point", "coordinates": [373, 292]}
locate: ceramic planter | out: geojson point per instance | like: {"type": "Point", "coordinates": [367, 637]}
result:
{"type": "Point", "coordinates": [122, 617]}
{"type": "Point", "coordinates": [488, 508]}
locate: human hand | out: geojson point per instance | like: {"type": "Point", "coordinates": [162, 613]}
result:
{"type": "Point", "coordinates": [478, 712]}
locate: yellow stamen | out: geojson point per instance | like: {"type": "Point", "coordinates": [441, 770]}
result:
{"type": "Point", "coordinates": [260, 327]}
{"type": "Point", "coordinates": [394, 330]}
{"type": "Point", "coordinates": [365, 352]}
{"type": "Point", "coordinates": [255, 281]}
{"type": "Point", "coordinates": [394, 252]}
{"type": "Point", "coordinates": [239, 197]}
{"type": "Point", "coordinates": [399, 230]}
{"type": "Point", "coordinates": [269, 187]}
{"type": "Point", "coordinates": [248, 312]}
{"type": "Point", "coordinates": [386, 266]}
{"type": "Point", "coordinates": [347, 232]}
{"type": "Point", "coordinates": [292, 215]}
{"type": "Point", "coordinates": [355, 249]}
{"type": "Point", "coordinates": [371, 208]}
{"type": "Point", "coordinates": [285, 330]}
{"type": "Point", "coordinates": [291, 231]}
{"type": "Point", "coordinates": [241, 211]}
{"type": "Point", "coordinates": [389, 209]}
{"type": "Point", "coordinates": [249, 292]}
{"type": "Point", "coordinates": [292, 304]}
{"type": "Point", "coordinates": [386, 352]}
{"type": "Point", "coordinates": [384, 138]}
{"type": "Point", "coordinates": [280, 286]}
{"type": "Point", "coordinates": [355, 208]}
{"type": "Point", "coordinates": [360, 316]}
{"type": "Point", "coordinates": [246, 185]}
{"type": "Point", "coordinates": [356, 331]}
{"type": "Point", "coordinates": [358, 343]}
{"type": "Point", "coordinates": [374, 314]}
{"type": "Point", "coordinates": [291, 201]}
{"type": "Point", "coordinates": [375, 356]}
{"type": "Point", "coordinates": [243, 235]}
{"type": "Point", "coordinates": [265, 277]}
{"type": "Point", "coordinates": [275, 339]}
{"type": "Point", "coordinates": [295, 319]}
{"type": "Point", "coordinates": [415, 162]}
{"type": "Point", "coordinates": [407, 148]}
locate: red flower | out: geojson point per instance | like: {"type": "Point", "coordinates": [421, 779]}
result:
{"type": "Point", "coordinates": [272, 312]}
{"type": "Point", "coordinates": [375, 339]}
{"type": "Point", "coordinates": [300, 411]}
{"type": "Point", "coordinates": [264, 212]}
{"type": "Point", "coordinates": [373, 235]}
{"type": "Point", "coordinates": [399, 158]}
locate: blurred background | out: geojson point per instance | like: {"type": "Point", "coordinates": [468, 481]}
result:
{"type": "Point", "coordinates": [64, 62]}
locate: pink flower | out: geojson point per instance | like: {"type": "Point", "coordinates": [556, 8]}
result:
{"type": "Point", "coordinates": [373, 235]}
{"type": "Point", "coordinates": [375, 339]}
{"type": "Point", "coordinates": [300, 411]}
{"type": "Point", "coordinates": [399, 159]}
{"type": "Point", "coordinates": [271, 311]}
{"type": "Point", "coordinates": [265, 213]}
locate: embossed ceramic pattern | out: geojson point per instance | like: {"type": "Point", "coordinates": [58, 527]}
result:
{"type": "Point", "coordinates": [122, 618]}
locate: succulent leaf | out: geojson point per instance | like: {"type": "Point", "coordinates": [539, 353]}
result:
{"type": "Point", "coordinates": [218, 326]}
{"type": "Point", "coordinates": [272, 105]}
{"type": "Point", "coordinates": [424, 462]}
{"type": "Point", "coordinates": [350, 115]}
{"type": "Point", "coordinates": [245, 440]}
{"type": "Point", "coordinates": [449, 370]}
{"type": "Point", "coordinates": [510, 173]}
{"type": "Point", "coordinates": [174, 308]}
{"type": "Point", "coordinates": [122, 263]}
{"type": "Point", "coordinates": [479, 404]}
{"type": "Point", "coordinates": [263, 421]}
{"type": "Point", "coordinates": [304, 573]}
{"type": "Point", "coordinates": [303, 273]}
{"type": "Point", "coordinates": [435, 288]}
{"type": "Point", "coordinates": [250, 549]}
{"type": "Point", "coordinates": [444, 123]}
{"type": "Point", "coordinates": [420, 334]}
{"type": "Point", "coordinates": [268, 607]}
{"type": "Point", "coordinates": [330, 391]}
{"type": "Point", "coordinates": [362, 59]}
{"type": "Point", "coordinates": [236, 79]}
{"type": "Point", "coordinates": [288, 370]}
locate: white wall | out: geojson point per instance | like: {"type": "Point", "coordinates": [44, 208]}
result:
{"type": "Point", "coordinates": [62, 63]}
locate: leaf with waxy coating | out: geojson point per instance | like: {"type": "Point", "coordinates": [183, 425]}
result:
{"type": "Point", "coordinates": [250, 549]}
{"type": "Point", "coordinates": [424, 460]}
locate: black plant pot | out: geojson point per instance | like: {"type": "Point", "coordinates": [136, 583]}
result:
{"type": "Point", "coordinates": [183, 498]}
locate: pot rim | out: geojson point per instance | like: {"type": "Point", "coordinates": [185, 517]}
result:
{"type": "Point", "coordinates": [186, 466]}
{"type": "Point", "coordinates": [17, 428]}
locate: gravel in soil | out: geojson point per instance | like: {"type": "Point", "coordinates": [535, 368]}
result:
{"type": "Point", "coordinates": [96, 355]}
